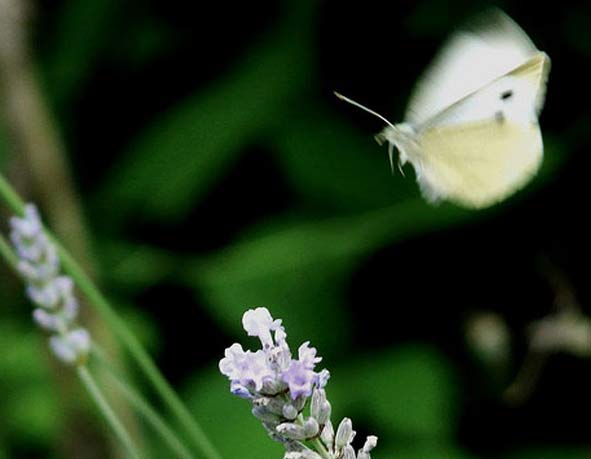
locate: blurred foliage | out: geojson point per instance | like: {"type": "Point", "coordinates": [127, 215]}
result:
{"type": "Point", "coordinates": [218, 173]}
{"type": "Point", "coordinates": [31, 411]}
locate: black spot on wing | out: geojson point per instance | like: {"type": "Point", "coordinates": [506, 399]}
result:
{"type": "Point", "coordinates": [506, 94]}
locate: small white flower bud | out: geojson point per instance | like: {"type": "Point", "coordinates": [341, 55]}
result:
{"type": "Point", "coordinates": [370, 444]}
{"type": "Point", "coordinates": [348, 452]}
{"type": "Point", "coordinates": [80, 340]}
{"type": "Point", "coordinates": [309, 454]}
{"type": "Point", "coordinates": [318, 398]}
{"type": "Point", "coordinates": [320, 407]}
{"type": "Point", "coordinates": [72, 347]}
{"type": "Point", "coordinates": [305, 454]}
{"type": "Point", "coordinates": [345, 433]}
{"type": "Point", "coordinates": [299, 403]}
{"type": "Point", "coordinates": [311, 427]}
{"type": "Point", "coordinates": [46, 296]}
{"type": "Point", "coordinates": [327, 434]}
{"type": "Point", "coordinates": [290, 412]}
{"type": "Point", "coordinates": [62, 350]}
{"type": "Point", "coordinates": [291, 431]}
{"type": "Point", "coordinates": [47, 321]}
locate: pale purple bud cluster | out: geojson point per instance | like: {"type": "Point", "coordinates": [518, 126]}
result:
{"type": "Point", "coordinates": [279, 387]}
{"type": "Point", "coordinates": [52, 293]}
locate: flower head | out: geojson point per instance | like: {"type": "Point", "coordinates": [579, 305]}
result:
{"type": "Point", "coordinates": [52, 293]}
{"type": "Point", "coordinates": [279, 387]}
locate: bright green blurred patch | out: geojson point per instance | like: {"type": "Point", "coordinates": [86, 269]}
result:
{"type": "Point", "coordinates": [31, 410]}
{"type": "Point", "coordinates": [227, 420]}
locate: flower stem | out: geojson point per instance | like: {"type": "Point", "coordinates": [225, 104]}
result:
{"type": "Point", "coordinates": [7, 253]}
{"type": "Point", "coordinates": [134, 347]}
{"type": "Point", "coordinates": [320, 449]}
{"type": "Point", "coordinates": [143, 407]}
{"type": "Point", "coordinates": [102, 404]}
{"type": "Point", "coordinates": [318, 446]}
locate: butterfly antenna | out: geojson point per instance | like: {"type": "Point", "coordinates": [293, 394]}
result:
{"type": "Point", "coordinates": [362, 107]}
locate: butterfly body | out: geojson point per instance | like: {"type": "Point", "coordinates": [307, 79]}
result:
{"type": "Point", "coordinates": [471, 129]}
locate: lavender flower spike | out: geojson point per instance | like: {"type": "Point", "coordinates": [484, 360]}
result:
{"type": "Point", "coordinates": [51, 292]}
{"type": "Point", "coordinates": [279, 387]}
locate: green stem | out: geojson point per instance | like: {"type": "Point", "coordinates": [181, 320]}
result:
{"type": "Point", "coordinates": [7, 253]}
{"type": "Point", "coordinates": [134, 347]}
{"type": "Point", "coordinates": [318, 446]}
{"type": "Point", "coordinates": [141, 356]}
{"type": "Point", "coordinates": [12, 199]}
{"type": "Point", "coordinates": [320, 449]}
{"type": "Point", "coordinates": [143, 407]}
{"type": "Point", "coordinates": [102, 404]}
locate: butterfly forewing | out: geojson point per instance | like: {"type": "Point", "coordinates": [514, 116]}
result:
{"type": "Point", "coordinates": [517, 95]}
{"type": "Point", "coordinates": [473, 57]}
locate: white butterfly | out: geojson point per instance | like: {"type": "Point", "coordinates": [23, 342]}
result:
{"type": "Point", "coordinates": [471, 128]}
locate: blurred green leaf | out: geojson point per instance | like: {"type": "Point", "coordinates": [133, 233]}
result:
{"type": "Point", "coordinates": [410, 392]}
{"type": "Point", "coordinates": [300, 270]}
{"type": "Point", "coordinates": [176, 160]}
{"type": "Point", "coordinates": [31, 411]}
{"type": "Point", "coordinates": [35, 413]}
{"type": "Point", "coordinates": [83, 29]}
{"type": "Point", "coordinates": [227, 420]}
{"type": "Point", "coordinates": [25, 360]}
{"type": "Point", "coordinates": [134, 266]}
{"type": "Point", "coordinates": [333, 164]}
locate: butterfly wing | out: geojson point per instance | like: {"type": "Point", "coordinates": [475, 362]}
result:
{"type": "Point", "coordinates": [487, 145]}
{"type": "Point", "coordinates": [473, 57]}
{"type": "Point", "coordinates": [481, 164]}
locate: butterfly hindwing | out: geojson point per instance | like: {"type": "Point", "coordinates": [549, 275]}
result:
{"type": "Point", "coordinates": [479, 164]}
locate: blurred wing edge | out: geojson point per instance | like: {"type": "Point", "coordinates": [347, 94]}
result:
{"type": "Point", "coordinates": [488, 47]}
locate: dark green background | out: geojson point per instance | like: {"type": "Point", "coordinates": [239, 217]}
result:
{"type": "Point", "coordinates": [218, 172]}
